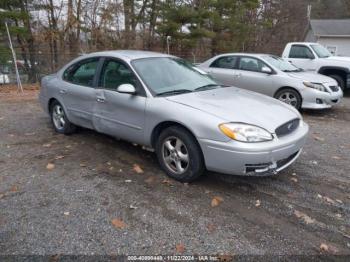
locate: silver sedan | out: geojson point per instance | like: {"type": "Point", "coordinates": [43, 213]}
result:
{"type": "Point", "coordinates": [164, 103]}
{"type": "Point", "coordinates": [273, 76]}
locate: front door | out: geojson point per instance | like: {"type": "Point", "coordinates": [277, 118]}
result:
{"type": "Point", "coordinates": [302, 57]}
{"type": "Point", "coordinates": [117, 114]}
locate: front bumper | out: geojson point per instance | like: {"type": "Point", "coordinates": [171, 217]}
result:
{"type": "Point", "coordinates": [314, 99]}
{"type": "Point", "coordinates": [254, 159]}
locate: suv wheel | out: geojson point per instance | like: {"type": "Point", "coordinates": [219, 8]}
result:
{"type": "Point", "coordinates": [59, 119]}
{"type": "Point", "coordinates": [340, 81]}
{"type": "Point", "coordinates": [179, 154]}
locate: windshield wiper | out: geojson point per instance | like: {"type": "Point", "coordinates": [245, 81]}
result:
{"type": "Point", "coordinates": [175, 92]}
{"type": "Point", "coordinates": [205, 87]}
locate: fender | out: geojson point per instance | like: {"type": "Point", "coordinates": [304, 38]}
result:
{"type": "Point", "coordinates": [344, 69]}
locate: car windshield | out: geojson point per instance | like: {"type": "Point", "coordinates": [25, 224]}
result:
{"type": "Point", "coordinates": [281, 64]}
{"type": "Point", "coordinates": [171, 76]}
{"type": "Point", "coordinates": [321, 51]}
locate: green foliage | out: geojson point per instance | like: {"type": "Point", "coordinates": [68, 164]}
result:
{"type": "Point", "coordinates": [222, 20]}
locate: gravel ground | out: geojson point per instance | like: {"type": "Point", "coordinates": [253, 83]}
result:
{"type": "Point", "coordinates": [92, 199]}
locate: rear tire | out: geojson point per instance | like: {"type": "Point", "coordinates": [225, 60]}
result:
{"type": "Point", "coordinates": [290, 97]}
{"type": "Point", "coordinates": [340, 80]}
{"type": "Point", "coordinates": [59, 119]}
{"type": "Point", "coordinates": [179, 154]}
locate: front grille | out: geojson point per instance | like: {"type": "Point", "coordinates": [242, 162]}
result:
{"type": "Point", "coordinates": [334, 88]}
{"type": "Point", "coordinates": [287, 128]}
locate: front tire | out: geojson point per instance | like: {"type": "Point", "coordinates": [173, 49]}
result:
{"type": "Point", "coordinates": [59, 119]}
{"type": "Point", "coordinates": [179, 154]}
{"type": "Point", "coordinates": [290, 97]}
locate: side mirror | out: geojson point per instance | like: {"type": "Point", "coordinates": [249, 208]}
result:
{"type": "Point", "coordinates": [266, 70]}
{"type": "Point", "coordinates": [126, 89]}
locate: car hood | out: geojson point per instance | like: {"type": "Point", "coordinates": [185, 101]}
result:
{"type": "Point", "coordinates": [312, 77]}
{"type": "Point", "coordinates": [339, 58]}
{"type": "Point", "coordinates": [232, 104]}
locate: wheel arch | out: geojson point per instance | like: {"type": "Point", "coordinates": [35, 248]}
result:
{"type": "Point", "coordinates": [334, 70]}
{"type": "Point", "coordinates": [165, 124]}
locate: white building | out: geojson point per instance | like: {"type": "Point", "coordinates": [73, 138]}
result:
{"type": "Point", "coordinates": [334, 34]}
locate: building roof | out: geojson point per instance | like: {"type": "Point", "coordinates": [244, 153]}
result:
{"type": "Point", "coordinates": [331, 27]}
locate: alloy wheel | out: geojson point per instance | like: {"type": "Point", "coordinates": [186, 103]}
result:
{"type": "Point", "coordinates": [58, 117]}
{"type": "Point", "coordinates": [175, 155]}
{"type": "Point", "coordinates": [289, 98]}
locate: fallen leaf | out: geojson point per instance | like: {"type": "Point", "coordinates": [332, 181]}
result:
{"type": "Point", "coordinates": [66, 213]}
{"type": "Point", "coordinates": [119, 224]}
{"type": "Point", "coordinates": [304, 217]}
{"type": "Point", "coordinates": [329, 200]}
{"type": "Point", "coordinates": [14, 189]}
{"type": "Point", "coordinates": [294, 174]}
{"type": "Point", "coordinates": [30, 134]}
{"type": "Point", "coordinates": [211, 228]}
{"type": "Point", "coordinates": [180, 248]}
{"type": "Point", "coordinates": [338, 215]}
{"type": "Point", "coordinates": [257, 203]}
{"type": "Point", "coordinates": [59, 157]}
{"type": "Point", "coordinates": [324, 247]}
{"type": "Point", "coordinates": [47, 145]}
{"type": "Point", "coordinates": [50, 166]}
{"type": "Point", "coordinates": [314, 162]}
{"type": "Point", "coordinates": [137, 169]}
{"type": "Point", "coordinates": [336, 157]}
{"type": "Point", "coordinates": [216, 201]}
{"type": "Point", "coordinates": [167, 182]}
{"type": "Point", "coordinates": [2, 195]}
{"type": "Point", "coordinates": [339, 201]}
{"type": "Point", "coordinates": [319, 196]}
{"type": "Point", "coordinates": [319, 138]}
{"type": "Point", "coordinates": [1, 118]}
{"type": "Point", "coordinates": [294, 179]}
{"type": "Point", "coordinates": [150, 180]}
{"type": "Point", "coordinates": [128, 181]}
{"type": "Point", "coordinates": [82, 165]}
{"type": "Point", "coordinates": [68, 146]}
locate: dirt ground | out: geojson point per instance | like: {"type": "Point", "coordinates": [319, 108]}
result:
{"type": "Point", "coordinates": [91, 194]}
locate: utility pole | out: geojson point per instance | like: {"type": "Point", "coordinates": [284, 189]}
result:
{"type": "Point", "coordinates": [19, 84]}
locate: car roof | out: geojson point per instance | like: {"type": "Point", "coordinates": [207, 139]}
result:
{"type": "Point", "coordinates": [128, 54]}
{"type": "Point", "coordinates": [246, 54]}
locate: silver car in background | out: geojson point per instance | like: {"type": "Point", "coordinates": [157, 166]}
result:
{"type": "Point", "coordinates": [271, 75]}
{"type": "Point", "coordinates": [164, 103]}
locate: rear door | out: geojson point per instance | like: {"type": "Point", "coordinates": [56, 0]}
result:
{"type": "Point", "coordinates": [117, 114]}
{"type": "Point", "coordinates": [223, 70]}
{"type": "Point", "coordinates": [251, 76]}
{"type": "Point", "coordinates": [303, 57]}
{"type": "Point", "coordinates": [77, 91]}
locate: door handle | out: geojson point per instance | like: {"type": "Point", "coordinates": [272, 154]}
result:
{"type": "Point", "coordinates": [100, 100]}
{"type": "Point", "coordinates": [63, 91]}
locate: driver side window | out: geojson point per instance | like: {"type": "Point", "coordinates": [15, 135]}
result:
{"type": "Point", "coordinates": [301, 52]}
{"type": "Point", "coordinates": [114, 74]}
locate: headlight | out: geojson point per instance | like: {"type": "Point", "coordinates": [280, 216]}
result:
{"type": "Point", "coordinates": [316, 86]}
{"type": "Point", "coordinates": [245, 133]}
